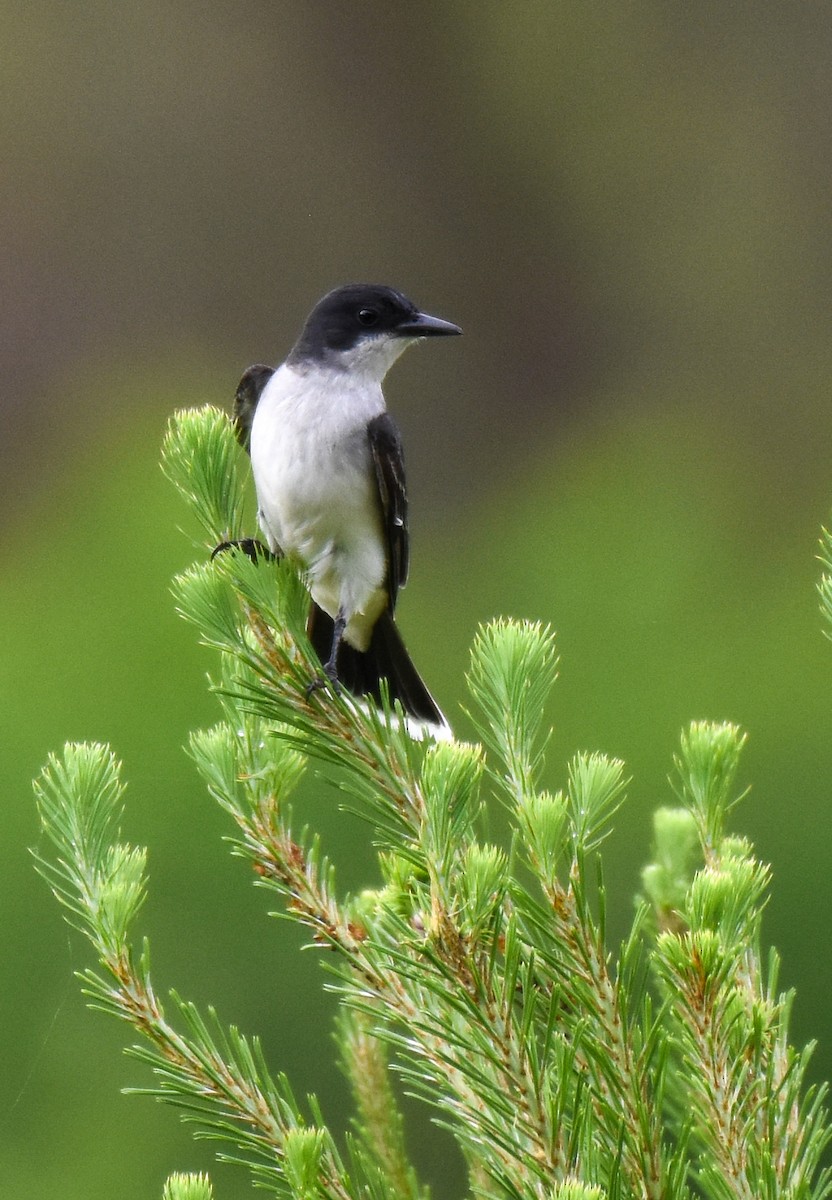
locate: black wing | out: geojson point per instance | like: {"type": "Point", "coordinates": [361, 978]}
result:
{"type": "Point", "coordinates": [245, 401]}
{"type": "Point", "coordinates": [388, 460]}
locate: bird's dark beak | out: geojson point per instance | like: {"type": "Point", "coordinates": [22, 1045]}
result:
{"type": "Point", "coordinates": [422, 325]}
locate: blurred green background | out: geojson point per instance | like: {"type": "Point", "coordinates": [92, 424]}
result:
{"type": "Point", "coordinates": [627, 208]}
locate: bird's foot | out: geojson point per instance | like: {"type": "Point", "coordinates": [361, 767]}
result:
{"type": "Point", "coordinates": [328, 679]}
{"type": "Point", "coordinates": [251, 547]}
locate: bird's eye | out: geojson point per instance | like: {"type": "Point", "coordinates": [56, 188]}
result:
{"type": "Point", "coordinates": [368, 317]}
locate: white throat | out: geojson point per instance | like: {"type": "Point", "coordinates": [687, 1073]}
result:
{"type": "Point", "coordinates": [372, 357]}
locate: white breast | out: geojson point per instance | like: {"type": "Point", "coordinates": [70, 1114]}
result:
{"type": "Point", "coordinates": [316, 489]}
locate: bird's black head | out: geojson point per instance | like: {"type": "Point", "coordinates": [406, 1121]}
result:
{"type": "Point", "coordinates": [363, 314]}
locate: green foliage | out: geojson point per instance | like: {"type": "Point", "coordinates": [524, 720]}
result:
{"type": "Point", "coordinates": [513, 668]}
{"type": "Point", "coordinates": [562, 1066]}
{"type": "Point", "coordinates": [203, 465]}
{"type": "Point", "coordinates": [188, 1187]}
{"type": "Point", "coordinates": [675, 843]}
{"type": "Point", "coordinates": [707, 767]}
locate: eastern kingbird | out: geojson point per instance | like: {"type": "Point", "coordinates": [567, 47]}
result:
{"type": "Point", "coordinates": [329, 474]}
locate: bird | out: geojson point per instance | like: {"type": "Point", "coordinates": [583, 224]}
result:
{"type": "Point", "coordinates": [328, 470]}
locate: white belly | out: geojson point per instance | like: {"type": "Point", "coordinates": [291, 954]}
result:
{"type": "Point", "coordinates": [316, 491]}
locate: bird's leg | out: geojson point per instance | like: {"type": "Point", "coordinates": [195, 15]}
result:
{"type": "Point", "coordinates": [251, 547]}
{"type": "Point", "coordinates": [331, 664]}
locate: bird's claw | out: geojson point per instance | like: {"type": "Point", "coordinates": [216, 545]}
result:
{"type": "Point", "coordinates": [328, 679]}
{"type": "Point", "coordinates": [251, 547]}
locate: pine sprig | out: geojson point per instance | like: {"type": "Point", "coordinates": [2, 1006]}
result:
{"type": "Point", "coordinates": [764, 1133]}
{"type": "Point", "coordinates": [379, 1123]}
{"type": "Point", "coordinates": [218, 1078]}
{"type": "Point", "coordinates": [513, 669]}
{"type": "Point", "coordinates": [202, 463]}
{"type": "Point", "coordinates": [188, 1187]}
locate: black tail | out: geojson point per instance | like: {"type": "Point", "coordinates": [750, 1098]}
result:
{"type": "Point", "coordinates": [361, 672]}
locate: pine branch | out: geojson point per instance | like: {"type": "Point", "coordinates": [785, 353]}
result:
{"type": "Point", "coordinates": [482, 976]}
{"type": "Point", "coordinates": [379, 1122]}
{"type": "Point", "coordinates": [765, 1135]}
{"type": "Point", "coordinates": [219, 1080]}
